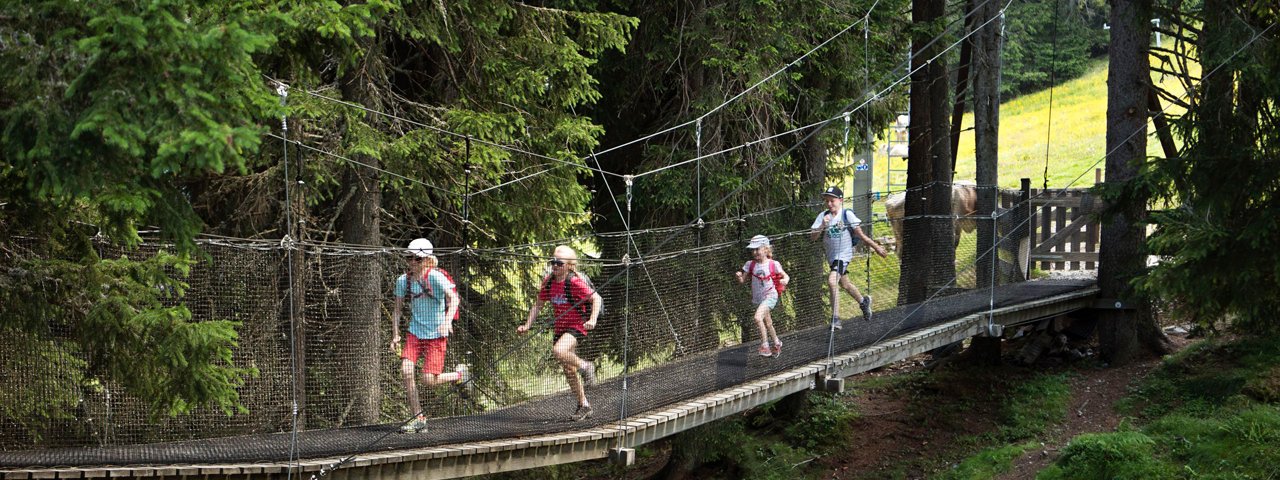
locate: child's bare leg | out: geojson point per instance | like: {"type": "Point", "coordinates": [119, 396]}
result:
{"type": "Point", "coordinates": [410, 387]}
{"type": "Point", "coordinates": [433, 380]}
{"type": "Point", "coordinates": [833, 284]}
{"type": "Point", "coordinates": [762, 312]}
{"type": "Point", "coordinates": [851, 288]}
{"type": "Point", "coordinates": [768, 323]}
{"type": "Point", "coordinates": [564, 351]}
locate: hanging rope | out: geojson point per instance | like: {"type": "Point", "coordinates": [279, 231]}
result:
{"type": "Point", "coordinates": [283, 91]}
{"type": "Point", "coordinates": [626, 316]}
{"type": "Point", "coordinates": [1053, 81]}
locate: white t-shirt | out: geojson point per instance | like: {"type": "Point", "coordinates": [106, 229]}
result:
{"type": "Point", "coordinates": [836, 239]}
{"type": "Point", "coordinates": [761, 283]}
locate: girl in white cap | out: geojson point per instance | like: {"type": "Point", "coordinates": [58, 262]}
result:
{"type": "Point", "coordinates": [767, 279]}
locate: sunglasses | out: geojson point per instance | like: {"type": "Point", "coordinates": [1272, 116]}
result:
{"type": "Point", "coordinates": [555, 262]}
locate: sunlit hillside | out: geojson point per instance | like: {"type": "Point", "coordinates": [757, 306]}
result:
{"type": "Point", "coordinates": [1077, 139]}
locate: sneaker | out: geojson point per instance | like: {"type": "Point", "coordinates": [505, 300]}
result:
{"type": "Point", "coordinates": [582, 413]}
{"type": "Point", "coordinates": [866, 307]}
{"type": "Point", "coordinates": [418, 424]}
{"type": "Point", "coordinates": [765, 351]}
{"type": "Point", "coordinates": [777, 348]}
{"type": "Point", "coordinates": [835, 323]}
{"type": "Point", "coordinates": [588, 375]}
{"type": "Point", "coordinates": [464, 384]}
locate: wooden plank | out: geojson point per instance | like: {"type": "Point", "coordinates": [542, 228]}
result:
{"type": "Point", "coordinates": [1093, 231]}
{"type": "Point", "coordinates": [1078, 217]}
{"type": "Point", "coordinates": [1046, 226]}
{"type": "Point", "coordinates": [1065, 257]}
{"type": "Point", "coordinates": [1056, 243]}
{"type": "Point", "coordinates": [1059, 223]}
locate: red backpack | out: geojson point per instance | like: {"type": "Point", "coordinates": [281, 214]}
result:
{"type": "Point", "coordinates": [427, 281]}
{"type": "Point", "coordinates": [773, 274]}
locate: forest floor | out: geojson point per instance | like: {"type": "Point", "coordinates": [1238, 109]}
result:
{"type": "Point", "coordinates": [917, 422]}
{"type": "Point", "coordinates": [923, 431]}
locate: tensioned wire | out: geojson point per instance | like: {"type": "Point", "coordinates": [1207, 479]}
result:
{"type": "Point", "coordinates": [1136, 132]}
{"type": "Point", "coordinates": [328, 248]}
{"type": "Point", "coordinates": [409, 179]}
{"type": "Point", "coordinates": [847, 110]}
{"type": "Point", "coordinates": [865, 18]}
{"type": "Point", "coordinates": [723, 151]}
{"type": "Point", "coordinates": [283, 91]}
{"type": "Point", "coordinates": [1085, 171]}
{"type": "Point", "coordinates": [672, 235]}
{"type": "Point", "coordinates": [717, 204]}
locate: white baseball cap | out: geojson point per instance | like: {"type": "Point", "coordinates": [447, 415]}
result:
{"type": "Point", "coordinates": [421, 247]}
{"type": "Point", "coordinates": [758, 241]}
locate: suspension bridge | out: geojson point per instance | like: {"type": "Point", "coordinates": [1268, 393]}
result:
{"type": "Point", "coordinates": [675, 348]}
{"type": "Point", "coordinates": [671, 353]}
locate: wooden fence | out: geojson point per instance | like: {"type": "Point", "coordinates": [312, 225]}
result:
{"type": "Point", "coordinates": [1063, 228]}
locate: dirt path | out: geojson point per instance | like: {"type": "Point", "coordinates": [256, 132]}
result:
{"type": "Point", "coordinates": [1094, 396]}
{"type": "Point", "coordinates": [913, 432]}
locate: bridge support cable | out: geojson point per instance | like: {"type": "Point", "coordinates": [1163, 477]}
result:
{"type": "Point", "coordinates": [697, 273]}
{"type": "Point", "coordinates": [630, 247]}
{"type": "Point", "coordinates": [626, 316]}
{"type": "Point", "coordinates": [283, 91]}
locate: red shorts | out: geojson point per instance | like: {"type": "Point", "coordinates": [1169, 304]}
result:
{"type": "Point", "coordinates": [432, 349]}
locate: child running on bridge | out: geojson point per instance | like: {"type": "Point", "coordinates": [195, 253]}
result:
{"type": "Point", "coordinates": [764, 272]}
{"type": "Point", "coordinates": [841, 231]}
{"type": "Point", "coordinates": [568, 291]}
{"type": "Point", "coordinates": [432, 303]}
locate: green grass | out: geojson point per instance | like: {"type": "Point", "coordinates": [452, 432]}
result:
{"type": "Point", "coordinates": [1209, 412]}
{"type": "Point", "coordinates": [1035, 405]}
{"type": "Point", "coordinates": [987, 463]}
{"type": "Point", "coordinates": [1077, 141]}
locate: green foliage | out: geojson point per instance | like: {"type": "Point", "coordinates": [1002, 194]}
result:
{"type": "Point", "coordinates": [988, 463]}
{"type": "Point", "coordinates": [1198, 427]}
{"type": "Point", "coordinates": [42, 379]}
{"type": "Point", "coordinates": [1030, 62]}
{"type": "Point", "coordinates": [108, 109]}
{"type": "Point", "coordinates": [108, 105]}
{"type": "Point", "coordinates": [1220, 242]}
{"type": "Point", "coordinates": [1035, 405]}
{"type": "Point", "coordinates": [1121, 455]}
{"type": "Point", "coordinates": [736, 451]}
{"type": "Point", "coordinates": [822, 425]}
{"type": "Point", "coordinates": [687, 60]}
{"type": "Point", "coordinates": [1207, 375]}
{"type": "Point", "coordinates": [114, 314]}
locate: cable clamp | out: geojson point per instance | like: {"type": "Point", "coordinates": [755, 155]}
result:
{"type": "Point", "coordinates": [287, 243]}
{"type": "Point", "coordinates": [700, 224]}
{"type": "Point", "coordinates": [626, 259]}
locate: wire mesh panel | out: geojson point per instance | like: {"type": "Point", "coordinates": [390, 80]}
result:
{"type": "Point", "coordinates": [675, 324]}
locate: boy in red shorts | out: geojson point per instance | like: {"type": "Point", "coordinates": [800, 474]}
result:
{"type": "Point", "coordinates": [432, 304]}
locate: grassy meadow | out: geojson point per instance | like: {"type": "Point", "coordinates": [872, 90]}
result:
{"type": "Point", "coordinates": [1077, 141]}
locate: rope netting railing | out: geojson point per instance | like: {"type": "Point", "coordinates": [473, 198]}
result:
{"type": "Point", "coordinates": [671, 318]}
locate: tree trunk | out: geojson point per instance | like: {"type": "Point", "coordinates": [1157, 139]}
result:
{"type": "Point", "coordinates": [986, 133]}
{"type": "Point", "coordinates": [363, 290]}
{"type": "Point", "coordinates": [1123, 334]}
{"type": "Point", "coordinates": [928, 161]}
{"type": "Point", "coordinates": [962, 80]}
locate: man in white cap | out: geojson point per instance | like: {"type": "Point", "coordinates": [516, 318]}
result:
{"type": "Point", "coordinates": [432, 303]}
{"type": "Point", "coordinates": [840, 231]}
